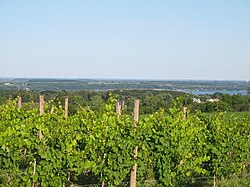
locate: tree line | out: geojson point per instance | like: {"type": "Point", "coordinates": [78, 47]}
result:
{"type": "Point", "coordinates": [151, 100]}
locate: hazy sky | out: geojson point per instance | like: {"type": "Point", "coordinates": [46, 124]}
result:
{"type": "Point", "coordinates": [149, 39]}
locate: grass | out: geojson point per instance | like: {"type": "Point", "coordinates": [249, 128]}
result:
{"type": "Point", "coordinates": [228, 115]}
{"type": "Point", "coordinates": [237, 114]}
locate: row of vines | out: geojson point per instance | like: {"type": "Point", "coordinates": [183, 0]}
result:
{"type": "Point", "coordinates": [95, 147]}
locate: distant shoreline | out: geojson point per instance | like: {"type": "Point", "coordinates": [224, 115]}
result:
{"type": "Point", "coordinates": [122, 79]}
{"type": "Point", "coordinates": [211, 92]}
{"type": "Point", "coordinates": [196, 87]}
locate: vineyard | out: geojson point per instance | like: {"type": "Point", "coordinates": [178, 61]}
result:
{"type": "Point", "coordinates": [45, 147]}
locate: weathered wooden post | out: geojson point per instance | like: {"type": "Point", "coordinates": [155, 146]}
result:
{"type": "Point", "coordinates": [118, 108]}
{"type": "Point", "coordinates": [41, 105]}
{"type": "Point", "coordinates": [41, 113]}
{"type": "Point", "coordinates": [52, 110]}
{"type": "Point", "coordinates": [184, 113]}
{"type": "Point", "coordinates": [34, 171]}
{"type": "Point", "coordinates": [66, 109]}
{"type": "Point", "coordinates": [136, 111]}
{"type": "Point", "coordinates": [66, 106]}
{"type": "Point", "coordinates": [19, 104]}
{"type": "Point", "coordinates": [214, 181]}
{"type": "Point", "coordinates": [134, 168]}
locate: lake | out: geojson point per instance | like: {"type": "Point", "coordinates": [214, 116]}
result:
{"type": "Point", "coordinates": [211, 92]}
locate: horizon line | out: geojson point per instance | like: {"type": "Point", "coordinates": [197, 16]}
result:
{"type": "Point", "coordinates": [129, 79]}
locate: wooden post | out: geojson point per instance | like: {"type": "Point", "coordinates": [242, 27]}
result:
{"type": "Point", "coordinates": [118, 108]}
{"type": "Point", "coordinates": [19, 104]}
{"type": "Point", "coordinates": [68, 179]}
{"type": "Point", "coordinates": [122, 102]}
{"type": "Point", "coordinates": [34, 172]}
{"type": "Point", "coordinates": [136, 112]}
{"type": "Point", "coordinates": [214, 181]}
{"type": "Point", "coordinates": [41, 105]}
{"type": "Point", "coordinates": [9, 179]}
{"type": "Point", "coordinates": [184, 113]}
{"type": "Point", "coordinates": [134, 168]}
{"type": "Point", "coordinates": [66, 107]}
{"type": "Point", "coordinates": [41, 113]}
{"type": "Point", "coordinates": [52, 110]}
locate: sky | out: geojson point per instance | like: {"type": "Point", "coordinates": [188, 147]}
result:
{"type": "Point", "coordinates": [125, 39]}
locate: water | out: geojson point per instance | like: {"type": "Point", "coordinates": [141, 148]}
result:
{"type": "Point", "coordinates": [211, 92]}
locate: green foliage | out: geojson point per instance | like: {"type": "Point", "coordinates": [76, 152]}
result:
{"type": "Point", "coordinates": [236, 103]}
{"type": "Point", "coordinates": [96, 145]}
{"type": "Point", "coordinates": [176, 147]}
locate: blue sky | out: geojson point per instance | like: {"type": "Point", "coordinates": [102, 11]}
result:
{"type": "Point", "coordinates": [139, 39]}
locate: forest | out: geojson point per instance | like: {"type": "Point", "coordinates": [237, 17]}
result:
{"type": "Point", "coordinates": [151, 100]}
